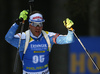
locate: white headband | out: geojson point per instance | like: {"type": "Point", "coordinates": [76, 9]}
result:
{"type": "Point", "coordinates": [37, 17]}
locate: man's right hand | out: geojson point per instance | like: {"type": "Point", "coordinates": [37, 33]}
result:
{"type": "Point", "coordinates": [22, 17]}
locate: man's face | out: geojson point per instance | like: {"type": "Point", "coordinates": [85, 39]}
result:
{"type": "Point", "coordinates": [36, 30]}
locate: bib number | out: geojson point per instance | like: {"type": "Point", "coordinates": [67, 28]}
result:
{"type": "Point", "coordinates": [38, 59]}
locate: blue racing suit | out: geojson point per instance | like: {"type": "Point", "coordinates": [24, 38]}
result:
{"type": "Point", "coordinates": [36, 57]}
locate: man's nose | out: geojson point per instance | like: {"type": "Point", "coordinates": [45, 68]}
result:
{"type": "Point", "coordinates": [37, 27]}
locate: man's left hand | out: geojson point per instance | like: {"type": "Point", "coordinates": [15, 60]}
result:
{"type": "Point", "coordinates": [68, 23]}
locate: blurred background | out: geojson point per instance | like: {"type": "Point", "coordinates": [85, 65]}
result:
{"type": "Point", "coordinates": [84, 13]}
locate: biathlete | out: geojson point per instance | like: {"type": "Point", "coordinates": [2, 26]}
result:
{"type": "Point", "coordinates": [36, 43]}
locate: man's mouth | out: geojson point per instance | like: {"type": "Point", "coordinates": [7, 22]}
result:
{"type": "Point", "coordinates": [37, 31]}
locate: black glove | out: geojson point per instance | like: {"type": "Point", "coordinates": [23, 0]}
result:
{"type": "Point", "coordinates": [18, 21]}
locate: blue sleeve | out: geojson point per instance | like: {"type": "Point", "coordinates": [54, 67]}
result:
{"type": "Point", "coordinates": [63, 39]}
{"type": "Point", "coordinates": [10, 36]}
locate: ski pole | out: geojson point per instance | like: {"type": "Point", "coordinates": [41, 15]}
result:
{"type": "Point", "coordinates": [87, 52]}
{"type": "Point", "coordinates": [31, 5]}
{"type": "Point", "coordinates": [17, 54]}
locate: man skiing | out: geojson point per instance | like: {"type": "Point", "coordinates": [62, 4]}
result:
{"type": "Point", "coordinates": [36, 43]}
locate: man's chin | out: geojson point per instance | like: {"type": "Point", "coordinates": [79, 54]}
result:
{"type": "Point", "coordinates": [37, 34]}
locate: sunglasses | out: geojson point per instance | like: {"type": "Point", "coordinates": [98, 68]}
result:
{"type": "Point", "coordinates": [36, 24]}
